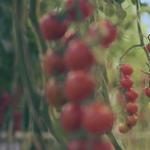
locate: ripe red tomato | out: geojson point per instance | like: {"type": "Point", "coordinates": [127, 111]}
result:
{"type": "Point", "coordinates": [131, 94]}
{"type": "Point", "coordinates": [78, 55]}
{"type": "Point", "coordinates": [148, 48]}
{"type": "Point", "coordinates": [97, 118]}
{"type": "Point", "coordinates": [123, 128]}
{"type": "Point", "coordinates": [126, 82]}
{"type": "Point", "coordinates": [54, 94]}
{"type": "Point", "coordinates": [78, 145]}
{"type": "Point", "coordinates": [132, 120]}
{"type": "Point", "coordinates": [109, 33]}
{"type": "Point", "coordinates": [147, 92]}
{"type": "Point", "coordinates": [126, 69]}
{"type": "Point", "coordinates": [70, 35]}
{"type": "Point", "coordinates": [102, 145]}
{"type": "Point", "coordinates": [51, 28]}
{"type": "Point", "coordinates": [79, 85]}
{"type": "Point", "coordinates": [131, 108]}
{"type": "Point", "coordinates": [53, 63]}
{"type": "Point", "coordinates": [71, 117]}
{"type": "Point", "coordinates": [84, 8]}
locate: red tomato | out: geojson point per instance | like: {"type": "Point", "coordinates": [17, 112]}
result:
{"type": "Point", "coordinates": [78, 55]}
{"type": "Point", "coordinates": [69, 36]}
{"type": "Point", "coordinates": [126, 69]}
{"type": "Point", "coordinates": [71, 117]}
{"type": "Point", "coordinates": [132, 120]}
{"type": "Point", "coordinates": [54, 94]}
{"type": "Point", "coordinates": [126, 82]}
{"type": "Point", "coordinates": [131, 108]}
{"type": "Point", "coordinates": [109, 33]}
{"type": "Point", "coordinates": [98, 118]}
{"type": "Point", "coordinates": [84, 8]}
{"type": "Point", "coordinates": [131, 94]}
{"type": "Point", "coordinates": [53, 63]}
{"type": "Point", "coordinates": [123, 128]}
{"type": "Point", "coordinates": [147, 92]}
{"type": "Point", "coordinates": [102, 145]}
{"type": "Point", "coordinates": [51, 28]}
{"type": "Point", "coordinates": [93, 30]}
{"type": "Point", "coordinates": [79, 85]}
{"type": "Point", "coordinates": [148, 48]}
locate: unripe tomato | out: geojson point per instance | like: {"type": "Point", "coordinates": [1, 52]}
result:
{"type": "Point", "coordinates": [78, 55]}
{"type": "Point", "coordinates": [147, 92]}
{"type": "Point", "coordinates": [54, 94]}
{"type": "Point", "coordinates": [102, 145]}
{"type": "Point", "coordinates": [126, 82]}
{"type": "Point", "coordinates": [132, 120]}
{"type": "Point", "coordinates": [84, 8]}
{"type": "Point", "coordinates": [51, 28]}
{"type": "Point", "coordinates": [131, 94]}
{"type": "Point", "coordinates": [71, 117]}
{"type": "Point", "coordinates": [148, 48]}
{"type": "Point", "coordinates": [79, 85]}
{"type": "Point", "coordinates": [97, 118]}
{"type": "Point", "coordinates": [126, 69]}
{"type": "Point", "coordinates": [123, 128]}
{"type": "Point", "coordinates": [131, 108]}
{"type": "Point", "coordinates": [53, 63]}
{"type": "Point", "coordinates": [110, 33]}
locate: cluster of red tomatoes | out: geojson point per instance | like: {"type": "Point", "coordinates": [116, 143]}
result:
{"type": "Point", "coordinates": [130, 98]}
{"type": "Point", "coordinates": [74, 62]}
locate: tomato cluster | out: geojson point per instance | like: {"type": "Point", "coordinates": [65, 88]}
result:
{"type": "Point", "coordinates": [130, 96]}
{"type": "Point", "coordinates": [73, 60]}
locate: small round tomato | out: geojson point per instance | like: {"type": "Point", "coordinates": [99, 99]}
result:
{"type": "Point", "coordinates": [51, 28]}
{"type": "Point", "coordinates": [54, 94]}
{"type": "Point", "coordinates": [126, 69]}
{"type": "Point", "coordinates": [109, 33]}
{"type": "Point", "coordinates": [71, 117]}
{"type": "Point", "coordinates": [148, 48]}
{"type": "Point", "coordinates": [97, 118]}
{"type": "Point", "coordinates": [126, 82]}
{"type": "Point", "coordinates": [78, 145]}
{"type": "Point", "coordinates": [53, 63]}
{"type": "Point", "coordinates": [69, 35]}
{"type": "Point", "coordinates": [131, 94]}
{"type": "Point", "coordinates": [132, 120]}
{"type": "Point", "coordinates": [102, 145]}
{"type": "Point", "coordinates": [123, 128]}
{"type": "Point", "coordinates": [79, 85]}
{"type": "Point", "coordinates": [78, 55]}
{"type": "Point", "coordinates": [131, 108]}
{"type": "Point", "coordinates": [83, 7]}
{"type": "Point", "coordinates": [147, 92]}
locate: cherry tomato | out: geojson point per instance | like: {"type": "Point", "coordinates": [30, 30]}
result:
{"type": "Point", "coordinates": [126, 82]}
{"type": "Point", "coordinates": [109, 33]}
{"type": "Point", "coordinates": [102, 145]}
{"type": "Point", "coordinates": [148, 48]}
{"type": "Point", "coordinates": [126, 69]}
{"type": "Point", "coordinates": [71, 117]}
{"type": "Point", "coordinates": [54, 94]}
{"type": "Point", "coordinates": [132, 120]}
{"type": "Point", "coordinates": [123, 128]}
{"type": "Point", "coordinates": [79, 85]}
{"type": "Point", "coordinates": [131, 108]}
{"type": "Point", "coordinates": [53, 63]}
{"type": "Point", "coordinates": [78, 55]}
{"type": "Point", "coordinates": [70, 35]}
{"type": "Point", "coordinates": [51, 28]}
{"type": "Point", "coordinates": [147, 92]}
{"type": "Point", "coordinates": [84, 8]}
{"type": "Point", "coordinates": [97, 118]}
{"type": "Point", "coordinates": [131, 94]}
